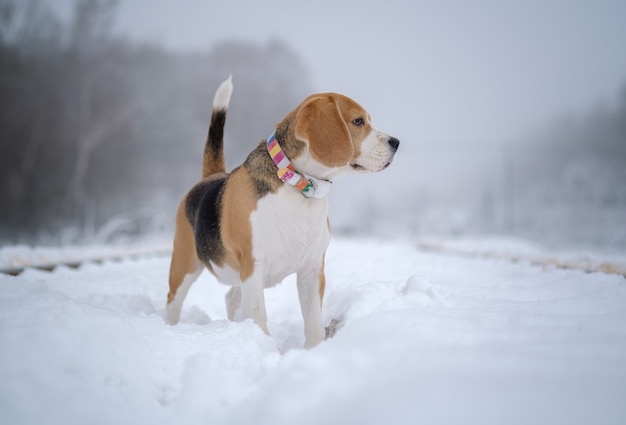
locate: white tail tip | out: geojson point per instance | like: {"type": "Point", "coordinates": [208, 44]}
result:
{"type": "Point", "coordinates": [222, 95]}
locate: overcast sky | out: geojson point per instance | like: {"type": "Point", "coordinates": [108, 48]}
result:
{"type": "Point", "coordinates": [462, 71]}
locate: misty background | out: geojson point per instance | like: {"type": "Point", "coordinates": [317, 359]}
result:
{"type": "Point", "coordinates": [511, 115]}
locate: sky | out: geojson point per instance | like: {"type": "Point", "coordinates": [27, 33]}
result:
{"type": "Point", "coordinates": [477, 72]}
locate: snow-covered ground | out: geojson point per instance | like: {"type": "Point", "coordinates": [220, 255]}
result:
{"type": "Point", "coordinates": [424, 338]}
{"type": "Point", "coordinates": [14, 258]}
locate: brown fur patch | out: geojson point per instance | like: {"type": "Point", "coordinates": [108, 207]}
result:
{"type": "Point", "coordinates": [213, 161]}
{"type": "Point", "coordinates": [338, 140]}
{"type": "Point", "coordinates": [238, 202]}
{"type": "Point", "coordinates": [329, 143]}
{"type": "Point", "coordinates": [184, 259]}
{"type": "Point", "coordinates": [231, 208]}
{"type": "Point", "coordinates": [286, 135]}
{"type": "Point", "coordinates": [322, 282]}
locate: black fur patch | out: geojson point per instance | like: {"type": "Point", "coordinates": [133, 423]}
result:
{"type": "Point", "coordinates": [203, 208]}
{"type": "Point", "coordinates": [216, 133]}
{"type": "Point", "coordinates": [262, 170]}
{"type": "Point", "coordinates": [261, 187]}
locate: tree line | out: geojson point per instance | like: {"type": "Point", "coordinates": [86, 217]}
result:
{"type": "Point", "coordinates": [566, 185]}
{"type": "Point", "coordinates": [101, 137]}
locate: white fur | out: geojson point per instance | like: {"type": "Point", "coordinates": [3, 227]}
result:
{"type": "Point", "coordinates": [289, 235]}
{"type": "Point", "coordinates": [173, 308]}
{"type": "Point", "coordinates": [376, 152]}
{"type": "Point", "coordinates": [233, 301]}
{"type": "Point", "coordinates": [223, 93]}
{"type": "Point", "coordinates": [226, 275]}
{"type": "Point", "coordinates": [309, 166]}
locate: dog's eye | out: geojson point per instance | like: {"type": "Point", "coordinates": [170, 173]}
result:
{"type": "Point", "coordinates": [358, 122]}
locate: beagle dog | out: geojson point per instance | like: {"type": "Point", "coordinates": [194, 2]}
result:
{"type": "Point", "coordinates": [268, 219]}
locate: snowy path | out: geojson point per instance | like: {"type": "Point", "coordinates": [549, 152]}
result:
{"type": "Point", "coordinates": [424, 338]}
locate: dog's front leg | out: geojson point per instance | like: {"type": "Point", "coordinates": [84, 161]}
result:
{"type": "Point", "coordinates": [311, 283]}
{"type": "Point", "coordinates": [253, 300]}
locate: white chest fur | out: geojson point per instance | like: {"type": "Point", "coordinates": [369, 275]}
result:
{"type": "Point", "coordinates": [289, 232]}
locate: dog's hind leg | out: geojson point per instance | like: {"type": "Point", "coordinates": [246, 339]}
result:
{"type": "Point", "coordinates": [233, 301]}
{"type": "Point", "coordinates": [184, 268]}
{"type": "Point", "coordinates": [253, 301]}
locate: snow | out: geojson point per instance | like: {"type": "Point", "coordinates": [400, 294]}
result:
{"type": "Point", "coordinates": [514, 250]}
{"type": "Point", "coordinates": [423, 338]}
{"type": "Point", "coordinates": [16, 257]}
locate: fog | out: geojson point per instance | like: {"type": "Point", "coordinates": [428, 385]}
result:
{"type": "Point", "coordinates": [510, 114]}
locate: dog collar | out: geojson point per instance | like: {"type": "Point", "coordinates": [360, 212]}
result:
{"type": "Point", "coordinates": [309, 186]}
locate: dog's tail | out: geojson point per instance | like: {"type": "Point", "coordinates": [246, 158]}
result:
{"type": "Point", "coordinates": [214, 148]}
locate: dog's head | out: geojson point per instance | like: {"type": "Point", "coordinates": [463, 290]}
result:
{"type": "Point", "coordinates": [338, 136]}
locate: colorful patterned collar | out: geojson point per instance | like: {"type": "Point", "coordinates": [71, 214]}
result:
{"type": "Point", "coordinates": [309, 186]}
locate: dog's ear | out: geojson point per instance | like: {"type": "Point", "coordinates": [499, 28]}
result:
{"type": "Point", "coordinates": [320, 123]}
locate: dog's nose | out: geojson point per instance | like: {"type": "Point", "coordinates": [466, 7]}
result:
{"type": "Point", "coordinates": [394, 143]}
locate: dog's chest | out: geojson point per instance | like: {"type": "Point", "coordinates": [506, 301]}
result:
{"type": "Point", "coordinates": [289, 233]}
